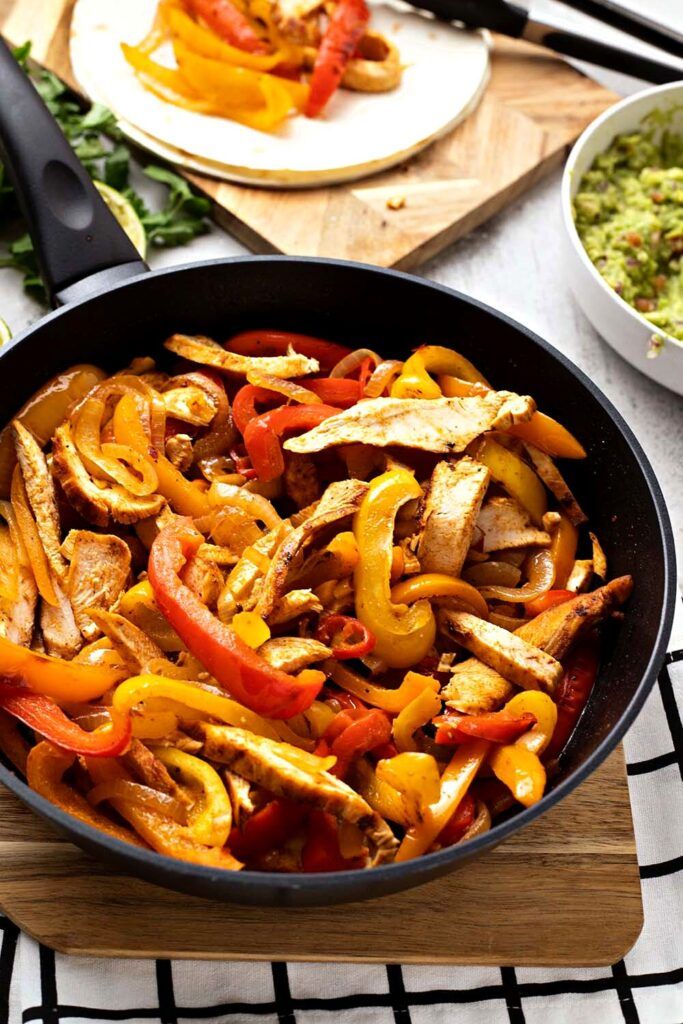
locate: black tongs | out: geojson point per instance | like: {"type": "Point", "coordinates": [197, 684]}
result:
{"type": "Point", "coordinates": [515, 21]}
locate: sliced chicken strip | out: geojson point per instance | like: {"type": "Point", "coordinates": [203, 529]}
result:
{"type": "Point", "coordinates": [434, 425]}
{"type": "Point", "coordinates": [581, 575]}
{"type": "Point", "coordinates": [340, 500]}
{"type": "Point", "coordinates": [266, 763]}
{"type": "Point", "coordinates": [138, 651]}
{"type": "Point", "coordinates": [150, 770]}
{"type": "Point", "coordinates": [99, 505]}
{"type": "Point", "coordinates": [98, 575]}
{"type": "Point", "coordinates": [505, 524]}
{"type": "Point", "coordinates": [61, 635]}
{"type": "Point", "coordinates": [475, 687]}
{"type": "Point", "coordinates": [557, 485]}
{"type": "Point", "coordinates": [17, 610]}
{"type": "Point", "coordinates": [240, 793]}
{"type": "Point", "coordinates": [209, 353]}
{"type": "Point", "coordinates": [511, 656]}
{"type": "Point", "coordinates": [40, 490]}
{"type": "Point", "coordinates": [293, 605]}
{"type": "Point", "coordinates": [456, 491]}
{"type": "Point", "coordinates": [292, 653]}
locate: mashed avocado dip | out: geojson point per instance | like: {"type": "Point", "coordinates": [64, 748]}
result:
{"type": "Point", "coordinates": [629, 215]}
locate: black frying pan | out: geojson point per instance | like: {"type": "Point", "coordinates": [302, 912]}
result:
{"type": "Point", "coordinates": [116, 310]}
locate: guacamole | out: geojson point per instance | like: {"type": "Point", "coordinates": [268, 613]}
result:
{"type": "Point", "coordinates": [629, 215]}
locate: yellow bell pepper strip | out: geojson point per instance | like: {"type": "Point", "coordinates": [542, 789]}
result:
{"type": "Point", "coordinates": [393, 701]}
{"type": "Point", "coordinates": [28, 530]}
{"type": "Point", "coordinates": [61, 680]}
{"type": "Point", "coordinates": [455, 781]}
{"type": "Point", "coordinates": [439, 584]}
{"type": "Point", "coordinates": [128, 430]}
{"type": "Point", "coordinates": [47, 718]}
{"type": "Point", "coordinates": [235, 666]}
{"type": "Point", "coordinates": [162, 833]}
{"type": "Point", "coordinates": [154, 725]}
{"type": "Point", "coordinates": [382, 797]}
{"type": "Point", "coordinates": [415, 380]}
{"type": "Point", "coordinates": [207, 44]}
{"type": "Point", "coordinates": [45, 769]}
{"type": "Point", "coordinates": [250, 628]}
{"type": "Point", "coordinates": [563, 550]}
{"type": "Point", "coordinates": [416, 777]}
{"type": "Point", "coordinates": [518, 479]}
{"type": "Point", "coordinates": [403, 634]}
{"type": "Point", "coordinates": [211, 820]}
{"type": "Point", "coordinates": [550, 436]}
{"type": "Point", "coordinates": [544, 710]}
{"type": "Point", "coordinates": [521, 771]}
{"type": "Point", "coordinates": [139, 607]}
{"type": "Point", "coordinates": [416, 714]}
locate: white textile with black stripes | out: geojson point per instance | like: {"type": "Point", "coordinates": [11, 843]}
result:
{"type": "Point", "coordinates": [644, 988]}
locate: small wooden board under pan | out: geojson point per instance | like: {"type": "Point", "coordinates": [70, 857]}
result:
{"type": "Point", "coordinates": [534, 107]}
{"type": "Point", "coordinates": [563, 892]}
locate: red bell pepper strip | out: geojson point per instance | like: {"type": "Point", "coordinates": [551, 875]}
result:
{"type": "Point", "coordinates": [366, 368]}
{"type": "Point", "coordinates": [268, 829]}
{"type": "Point", "coordinates": [458, 823]}
{"type": "Point", "coordinates": [581, 669]}
{"type": "Point", "coordinates": [262, 435]}
{"type": "Point", "coordinates": [345, 30]}
{"type": "Point", "coordinates": [340, 391]}
{"type": "Point", "coordinates": [549, 600]}
{"type": "Point", "coordinates": [494, 726]}
{"type": "Point", "coordinates": [229, 23]}
{"type": "Point", "coordinates": [339, 631]}
{"type": "Point", "coordinates": [245, 401]}
{"type": "Point", "coordinates": [238, 668]}
{"type": "Point", "coordinates": [321, 850]}
{"type": "Point", "coordinates": [47, 718]}
{"type": "Point", "coordinates": [353, 733]}
{"type": "Point", "coordinates": [276, 343]}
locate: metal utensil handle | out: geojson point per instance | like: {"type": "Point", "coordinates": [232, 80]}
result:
{"type": "Point", "coordinates": [75, 235]}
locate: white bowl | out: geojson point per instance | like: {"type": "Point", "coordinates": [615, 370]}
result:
{"type": "Point", "coordinates": [618, 323]}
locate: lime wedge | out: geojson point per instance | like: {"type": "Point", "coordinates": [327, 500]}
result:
{"type": "Point", "coordinates": [125, 215]}
{"type": "Point", "coordinates": [5, 333]}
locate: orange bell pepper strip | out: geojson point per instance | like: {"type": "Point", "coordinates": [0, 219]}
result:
{"type": "Point", "coordinates": [239, 669]}
{"type": "Point", "coordinates": [353, 733]}
{"type": "Point", "coordinates": [551, 599]}
{"type": "Point", "coordinates": [563, 550]}
{"type": "Point", "coordinates": [228, 22]}
{"type": "Point", "coordinates": [128, 429]}
{"type": "Point", "coordinates": [162, 833]}
{"type": "Point", "coordinates": [391, 700]}
{"type": "Point", "coordinates": [403, 634]}
{"type": "Point", "coordinates": [45, 769]}
{"type": "Point", "coordinates": [268, 342]}
{"type": "Point", "coordinates": [61, 680]}
{"type": "Point", "coordinates": [439, 584]}
{"type": "Point", "coordinates": [455, 781]}
{"type": "Point", "coordinates": [494, 726]}
{"type": "Point", "coordinates": [47, 718]}
{"type": "Point", "coordinates": [345, 29]}
{"type": "Point", "coordinates": [12, 743]}
{"type": "Point", "coordinates": [416, 714]}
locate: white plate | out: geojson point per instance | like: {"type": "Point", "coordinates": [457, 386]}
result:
{"type": "Point", "coordinates": [618, 322]}
{"type": "Point", "coordinates": [446, 73]}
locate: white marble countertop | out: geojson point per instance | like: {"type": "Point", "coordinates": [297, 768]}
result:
{"type": "Point", "coordinates": [514, 263]}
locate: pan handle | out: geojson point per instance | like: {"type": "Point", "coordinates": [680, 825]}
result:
{"type": "Point", "coordinates": [78, 242]}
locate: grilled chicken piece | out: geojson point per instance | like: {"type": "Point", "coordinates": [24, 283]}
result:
{"type": "Point", "coordinates": [99, 505]}
{"type": "Point", "coordinates": [451, 507]}
{"type": "Point", "coordinates": [505, 524]}
{"type": "Point", "coordinates": [293, 605]}
{"type": "Point", "coordinates": [139, 652]}
{"type": "Point", "coordinates": [17, 612]}
{"type": "Point", "coordinates": [40, 490]}
{"type": "Point", "coordinates": [278, 768]}
{"type": "Point", "coordinates": [340, 500]}
{"type": "Point", "coordinates": [581, 575]}
{"type": "Point", "coordinates": [204, 578]}
{"type": "Point", "coordinates": [209, 353]}
{"type": "Point", "coordinates": [191, 404]}
{"type": "Point", "coordinates": [301, 480]}
{"type": "Point", "coordinates": [475, 687]}
{"type": "Point", "coordinates": [240, 793]}
{"type": "Point", "coordinates": [557, 485]}
{"type": "Point", "coordinates": [61, 635]}
{"type": "Point", "coordinates": [292, 653]}
{"type": "Point", "coordinates": [98, 574]}
{"type": "Point", "coordinates": [179, 451]}
{"type": "Point", "coordinates": [433, 425]}
{"type": "Point", "coordinates": [242, 583]}
{"type": "Point", "coordinates": [510, 655]}
{"type": "Point", "coordinates": [150, 770]}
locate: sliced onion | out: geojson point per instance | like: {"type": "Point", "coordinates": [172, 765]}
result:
{"type": "Point", "coordinates": [136, 793]}
{"type": "Point", "coordinates": [255, 505]}
{"type": "Point", "coordinates": [481, 823]}
{"type": "Point", "coordinates": [289, 388]}
{"type": "Point", "coordinates": [125, 384]}
{"type": "Point", "coordinates": [351, 362]}
{"type": "Point", "coordinates": [496, 573]}
{"type": "Point", "coordinates": [143, 480]}
{"type": "Point", "coordinates": [508, 622]}
{"type": "Point", "coordinates": [541, 576]}
{"type": "Point", "coordinates": [222, 434]}
{"type": "Point", "coordinates": [382, 377]}
{"type": "Point", "coordinates": [114, 462]}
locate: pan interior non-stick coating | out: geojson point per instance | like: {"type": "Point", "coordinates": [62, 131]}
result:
{"type": "Point", "coordinates": [392, 314]}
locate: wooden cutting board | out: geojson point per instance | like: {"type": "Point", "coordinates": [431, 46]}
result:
{"type": "Point", "coordinates": [564, 891]}
{"type": "Point", "coordinates": [535, 106]}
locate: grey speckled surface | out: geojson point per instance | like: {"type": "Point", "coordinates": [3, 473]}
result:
{"type": "Point", "coordinates": [514, 263]}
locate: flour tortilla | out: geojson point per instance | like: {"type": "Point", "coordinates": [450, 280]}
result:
{"type": "Point", "coordinates": [446, 73]}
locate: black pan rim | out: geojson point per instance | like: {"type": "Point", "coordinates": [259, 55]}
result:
{"type": "Point", "coordinates": [409, 873]}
